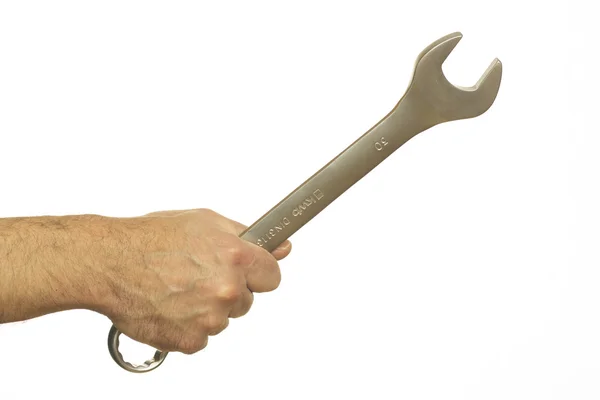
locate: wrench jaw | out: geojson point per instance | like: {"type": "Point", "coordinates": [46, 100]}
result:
{"type": "Point", "coordinates": [441, 101]}
{"type": "Point", "coordinates": [438, 51]}
{"type": "Point", "coordinates": [487, 88]}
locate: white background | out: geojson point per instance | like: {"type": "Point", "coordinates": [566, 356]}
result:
{"type": "Point", "coordinates": [466, 266]}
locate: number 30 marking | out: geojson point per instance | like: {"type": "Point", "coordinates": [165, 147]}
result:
{"type": "Point", "coordinates": [381, 144]}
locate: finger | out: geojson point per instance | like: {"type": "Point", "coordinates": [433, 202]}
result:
{"type": "Point", "coordinates": [243, 305]}
{"type": "Point", "coordinates": [282, 251]}
{"type": "Point", "coordinates": [216, 325]}
{"type": "Point", "coordinates": [152, 334]}
{"type": "Point", "coordinates": [262, 274]}
{"type": "Point", "coordinates": [192, 344]}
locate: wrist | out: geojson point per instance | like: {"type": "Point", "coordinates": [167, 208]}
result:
{"type": "Point", "coordinates": [104, 247]}
{"type": "Point", "coordinates": [116, 251]}
{"type": "Point", "coordinates": [95, 245]}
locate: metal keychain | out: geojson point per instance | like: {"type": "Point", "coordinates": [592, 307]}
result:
{"type": "Point", "coordinates": [429, 100]}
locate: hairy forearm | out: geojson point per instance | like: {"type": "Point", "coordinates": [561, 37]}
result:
{"type": "Point", "coordinates": [50, 264]}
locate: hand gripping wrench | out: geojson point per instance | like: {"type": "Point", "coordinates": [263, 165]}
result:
{"type": "Point", "coordinates": [429, 100]}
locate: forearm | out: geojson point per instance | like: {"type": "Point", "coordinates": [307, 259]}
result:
{"type": "Point", "coordinates": [50, 264]}
{"type": "Point", "coordinates": [168, 279]}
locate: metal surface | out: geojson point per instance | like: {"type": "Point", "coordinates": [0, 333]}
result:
{"type": "Point", "coordinates": [429, 100]}
{"type": "Point", "coordinates": [113, 349]}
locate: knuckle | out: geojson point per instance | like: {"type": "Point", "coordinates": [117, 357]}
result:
{"type": "Point", "coordinates": [187, 349]}
{"type": "Point", "coordinates": [216, 325]}
{"type": "Point", "coordinates": [193, 345]}
{"type": "Point", "coordinates": [239, 313]}
{"type": "Point", "coordinates": [265, 278]}
{"type": "Point", "coordinates": [272, 277]}
{"type": "Point", "coordinates": [212, 323]}
{"type": "Point", "coordinates": [239, 255]}
{"type": "Point", "coordinates": [204, 343]}
{"type": "Point", "coordinates": [242, 308]}
{"type": "Point", "coordinates": [229, 292]}
{"type": "Point", "coordinates": [204, 211]}
{"type": "Point", "coordinates": [200, 214]}
{"type": "Point", "coordinates": [276, 279]}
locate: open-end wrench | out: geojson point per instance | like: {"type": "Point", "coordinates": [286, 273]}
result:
{"type": "Point", "coordinates": [429, 100]}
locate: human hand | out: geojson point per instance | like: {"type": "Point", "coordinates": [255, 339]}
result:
{"type": "Point", "coordinates": [182, 275]}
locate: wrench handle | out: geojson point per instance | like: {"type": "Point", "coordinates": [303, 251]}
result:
{"type": "Point", "coordinates": [331, 181]}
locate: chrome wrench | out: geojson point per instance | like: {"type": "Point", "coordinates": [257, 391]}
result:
{"type": "Point", "coordinates": [429, 100]}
